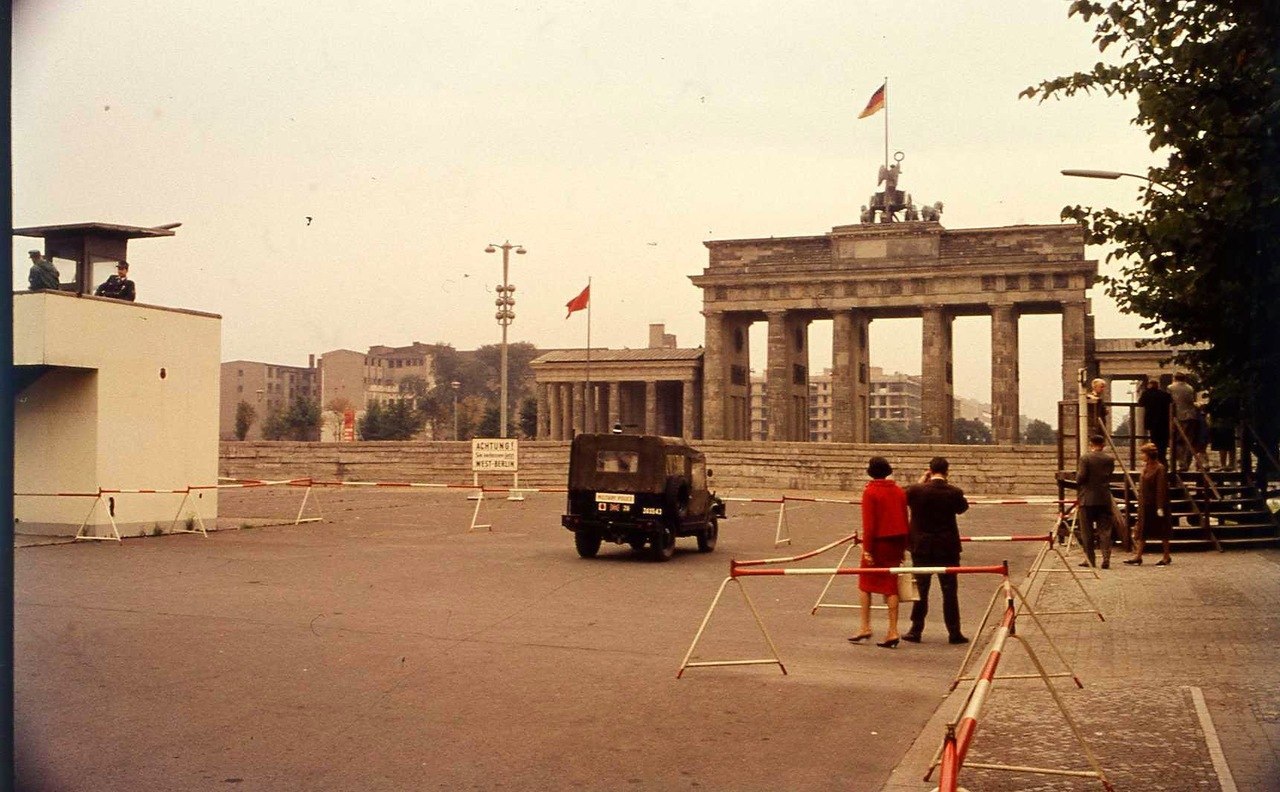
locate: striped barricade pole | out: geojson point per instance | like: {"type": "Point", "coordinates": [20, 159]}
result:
{"type": "Point", "coordinates": [115, 529]}
{"type": "Point", "coordinates": [108, 493]}
{"type": "Point", "coordinates": [960, 734]}
{"type": "Point", "coordinates": [512, 492]}
{"type": "Point", "coordinates": [96, 496]}
{"type": "Point", "coordinates": [778, 538]}
{"type": "Point", "coordinates": [853, 539]}
{"type": "Point", "coordinates": [477, 489]}
{"type": "Point", "coordinates": [739, 570]}
{"type": "Point", "coordinates": [309, 483]}
{"type": "Point", "coordinates": [1011, 591]}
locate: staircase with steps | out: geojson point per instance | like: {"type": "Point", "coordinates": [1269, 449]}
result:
{"type": "Point", "coordinates": [1230, 514]}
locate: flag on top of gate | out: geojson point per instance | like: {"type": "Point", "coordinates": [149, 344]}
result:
{"type": "Point", "coordinates": [579, 302]}
{"type": "Point", "coordinates": [876, 103]}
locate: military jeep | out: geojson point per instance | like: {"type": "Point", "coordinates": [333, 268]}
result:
{"type": "Point", "coordinates": [640, 490]}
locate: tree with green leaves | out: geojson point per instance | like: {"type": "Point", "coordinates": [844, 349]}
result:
{"type": "Point", "coordinates": [529, 417]}
{"type": "Point", "coordinates": [1039, 433]}
{"type": "Point", "coordinates": [970, 431]}
{"type": "Point", "coordinates": [894, 431]}
{"type": "Point", "coordinates": [245, 415]}
{"type": "Point", "coordinates": [396, 420]}
{"type": "Point", "coordinates": [1202, 255]}
{"type": "Point", "coordinates": [300, 421]}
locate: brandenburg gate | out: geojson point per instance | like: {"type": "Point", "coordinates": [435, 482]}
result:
{"type": "Point", "coordinates": [879, 270]}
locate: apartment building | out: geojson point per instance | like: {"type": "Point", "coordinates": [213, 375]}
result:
{"type": "Point", "coordinates": [893, 397]}
{"type": "Point", "coordinates": [339, 380]}
{"type": "Point", "coordinates": [266, 387]}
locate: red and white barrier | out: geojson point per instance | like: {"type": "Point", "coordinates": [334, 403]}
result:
{"type": "Point", "coordinates": [739, 570]}
{"type": "Point", "coordinates": [960, 733]}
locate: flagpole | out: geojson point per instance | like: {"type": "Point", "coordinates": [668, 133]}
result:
{"type": "Point", "coordinates": [590, 402]}
{"type": "Point", "coordinates": [886, 121]}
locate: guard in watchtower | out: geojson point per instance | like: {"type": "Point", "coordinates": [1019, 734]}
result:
{"type": "Point", "coordinates": [118, 286]}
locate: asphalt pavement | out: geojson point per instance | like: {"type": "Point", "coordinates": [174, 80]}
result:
{"type": "Point", "coordinates": [387, 647]}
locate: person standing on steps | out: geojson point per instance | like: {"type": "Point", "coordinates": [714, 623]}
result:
{"type": "Point", "coordinates": [1156, 404]}
{"type": "Point", "coordinates": [934, 504]}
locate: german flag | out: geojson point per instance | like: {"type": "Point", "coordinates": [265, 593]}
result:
{"type": "Point", "coordinates": [876, 103]}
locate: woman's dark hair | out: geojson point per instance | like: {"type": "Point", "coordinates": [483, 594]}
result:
{"type": "Point", "coordinates": [878, 467]}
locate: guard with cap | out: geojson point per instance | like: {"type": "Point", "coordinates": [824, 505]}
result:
{"type": "Point", "coordinates": [43, 274]}
{"type": "Point", "coordinates": [118, 286]}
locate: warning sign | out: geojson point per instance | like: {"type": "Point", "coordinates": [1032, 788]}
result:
{"type": "Point", "coordinates": [490, 455]}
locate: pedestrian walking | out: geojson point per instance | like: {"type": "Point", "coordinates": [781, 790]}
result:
{"type": "Point", "coordinates": [884, 542]}
{"type": "Point", "coordinates": [1153, 507]}
{"type": "Point", "coordinates": [934, 504]}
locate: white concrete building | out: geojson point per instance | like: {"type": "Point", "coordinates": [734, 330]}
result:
{"type": "Point", "coordinates": [111, 395]}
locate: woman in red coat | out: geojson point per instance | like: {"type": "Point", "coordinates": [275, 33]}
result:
{"type": "Point", "coordinates": [884, 542]}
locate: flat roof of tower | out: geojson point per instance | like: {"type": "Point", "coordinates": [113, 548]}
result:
{"type": "Point", "coordinates": [96, 229]}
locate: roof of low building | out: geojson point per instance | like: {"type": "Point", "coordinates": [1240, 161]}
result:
{"type": "Point", "coordinates": [617, 355]}
{"type": "Point", "coordinates": [94, 229]}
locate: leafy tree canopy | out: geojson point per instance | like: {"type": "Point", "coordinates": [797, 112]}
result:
{"type": "Point", "coordinates": [1039, 433]}
{"type": "Point", "coordinates": [300, 421]}
{"type": "Point", "coordinates": [1202, 255]}
{"type": "Point", "coordinates": [966, 431]}
{"type": "Point", "coordinates": [894, 432]}
{"type": "Point", "coordinates": [245, 415]}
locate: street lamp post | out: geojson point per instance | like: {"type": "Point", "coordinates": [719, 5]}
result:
{"type": "Point", "coordinates": [505, 316]}
{"type": "Point", "coordinates": [455, 385]}
{"type": "Point", "coordinates": [1086, 173]}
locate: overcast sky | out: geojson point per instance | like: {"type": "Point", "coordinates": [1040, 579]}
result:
{"type": "Point", "coordinates": [610, 139]}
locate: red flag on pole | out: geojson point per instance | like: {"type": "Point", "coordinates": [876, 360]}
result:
{"type": "Point", "coordinates": [876, 103]}
{"type": "Point", "coordinates": [579, 302]}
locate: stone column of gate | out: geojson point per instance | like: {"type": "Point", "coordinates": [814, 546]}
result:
{"type": "Point", "coordinates": [936, 410]}
{"type": "Point", "coordinates": [555, 412]}
{"type": "Point", "coordinates": [579, 398]}
{"type": "Point", "coordinates": [848, 385]}
{"type": "Point", "coordinates": [687, 413]}
{"type": "Point", "coordinates": [615, 404]}
{"type": "Point", "coordinates": [713, 375]}
{"type": "Point", "coordinates": [1073, 347]}
{"type": "Point", "coordinates": [778, 377]}
{"type": "Point", "coordinates": [650, 407]}
{"type": "Point", "coordinates": [542, 424]}
{"type": "Point", "coordinates": [1004, 374]}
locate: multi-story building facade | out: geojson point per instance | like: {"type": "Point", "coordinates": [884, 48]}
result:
{"type": "Point", "coordinates": [266, 387]}
{"type": "Point", "coordinates": [341, 380]}
{"type": "Point", "coordinates": [893, 397]}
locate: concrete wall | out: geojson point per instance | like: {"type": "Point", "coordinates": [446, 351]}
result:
{"type": "Point", "coordinates": [984, 470]}
{"type": "Point", "coordinates": [128, 399]}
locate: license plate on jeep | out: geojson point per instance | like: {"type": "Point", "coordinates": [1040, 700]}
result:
{"type": "Point", "coordinates": [614, 502]}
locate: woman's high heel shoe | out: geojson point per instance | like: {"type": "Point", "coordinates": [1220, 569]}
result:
{"type": "Point", "coordinates": [1133, 561]}
{"type": "Point", "coordinates": [889, 644]}
{"type": "Point", "coordinates": [859, 638]}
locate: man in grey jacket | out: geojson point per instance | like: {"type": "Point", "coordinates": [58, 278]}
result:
{"type": "Point", "coordinates": [1093, 491]}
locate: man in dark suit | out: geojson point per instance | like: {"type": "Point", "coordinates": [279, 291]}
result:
{"type": "Point", "coordinates": [935, 541]}
{"type": "Point", "coordinates": [1093, 491]}
{"type": "Point", "coordinates": [1156, 405]}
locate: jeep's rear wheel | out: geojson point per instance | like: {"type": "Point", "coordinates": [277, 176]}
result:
{"type": "Point", "coordinates": [588, 544]}
{"type": "Point", "coordinates": [664, 543]}
{"type": "Point", "coordinates": [707, 537]}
